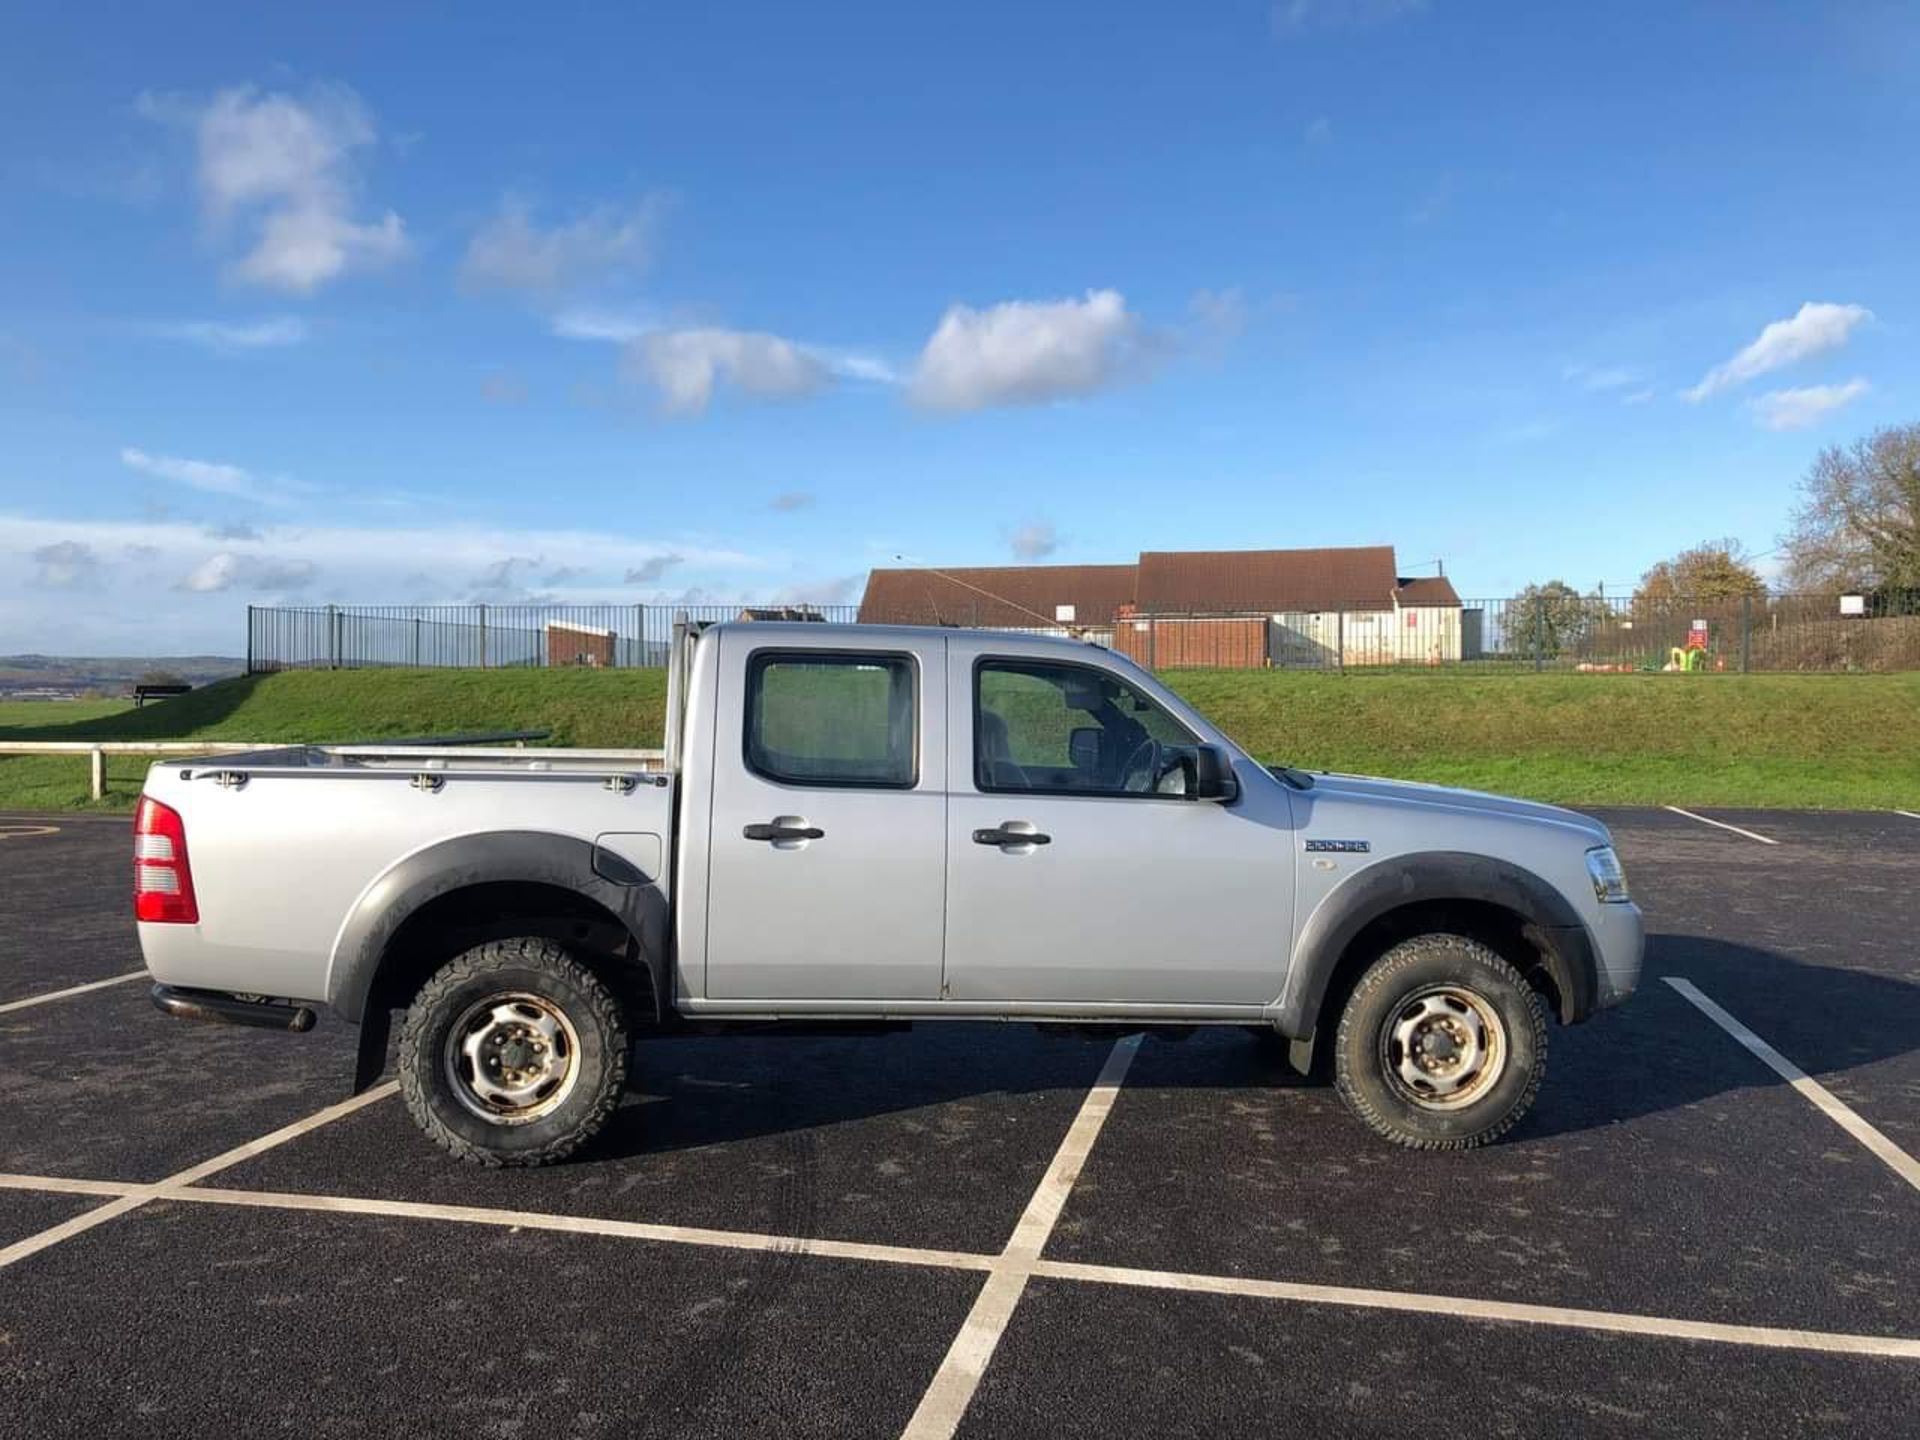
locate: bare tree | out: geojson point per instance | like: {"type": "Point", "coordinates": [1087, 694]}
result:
{"type": "Point", "coordinates": [1711, 570]}
{"type": "Point", "coordinates": [1858, 523]}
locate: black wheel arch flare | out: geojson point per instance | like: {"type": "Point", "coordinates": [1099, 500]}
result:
{"type": "Point", "coordinates": [1434, 878]}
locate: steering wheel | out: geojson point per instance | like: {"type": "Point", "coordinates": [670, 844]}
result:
{"type": "Point", "coordinates": [1142, 770]}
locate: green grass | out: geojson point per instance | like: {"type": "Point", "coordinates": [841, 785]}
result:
{"type": "Point", "coordinates": [1802, 741]}
{"type": "Point", "coordinates": [23, 715]}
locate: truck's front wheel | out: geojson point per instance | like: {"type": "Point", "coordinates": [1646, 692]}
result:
{"type": "Point", "coordinates": [513, 1053]}
{"type": "Point", "coordinates": [1442, 1046]}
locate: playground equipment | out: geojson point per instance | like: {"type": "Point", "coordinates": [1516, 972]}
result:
{"type": "Point", "coordinates": [1694, 655]}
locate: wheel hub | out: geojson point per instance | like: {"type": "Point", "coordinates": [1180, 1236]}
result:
{"type": "Point", "coordinates": [1444, 1047]}
{"type": "Point", "coordinates": [512, 1057]}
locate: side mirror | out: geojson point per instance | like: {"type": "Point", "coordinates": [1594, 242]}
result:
{"type": "Point", "coordinates": [1213, 777]}
{"type": "Point", "coordinates": [1083, 748]}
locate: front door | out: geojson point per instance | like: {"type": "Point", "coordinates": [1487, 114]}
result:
{"type": "Point", "coordinates": [828, 835]}
{"type": "Point", "coordinates": [1126, 892]}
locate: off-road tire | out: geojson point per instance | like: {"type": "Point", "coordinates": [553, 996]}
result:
{"type": "Point", "coordinates": [533, 966]}
{"type": "Point", "coordinates": [1406, 971]}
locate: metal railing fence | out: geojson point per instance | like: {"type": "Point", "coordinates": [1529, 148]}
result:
{"type": "Point", "coordinates": [1560, 632]}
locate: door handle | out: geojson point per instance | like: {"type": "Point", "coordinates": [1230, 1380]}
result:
{"type": "Point", "coordinates": [779, 831]}
{"type": "Point", "coordinates": [1004, 836]}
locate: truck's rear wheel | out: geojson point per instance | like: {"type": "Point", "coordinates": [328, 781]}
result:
{"type": "Point", "coordinates": [514, 1053]}
{"type": "Point", "coordinates": [1442, 1046]}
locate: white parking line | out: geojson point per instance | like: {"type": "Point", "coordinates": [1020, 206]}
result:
{"type": "Point", "coordinates": [136, 1196]}
{"type": "Point", "coordinates": [1657, 1326]}
{"type": "Point", "coordinates": [70, 990]}
{"type": "Point", "coordinates": [1823, 1099]}
{"type": "Point", "coordinates": [938, 1414]}
{"type": "Point", "coordinates": [1720, 825]}
{"type": "Point", "coordinates": [981, 1339]}
{"type": "Point", "coordinates": [1908, 813]}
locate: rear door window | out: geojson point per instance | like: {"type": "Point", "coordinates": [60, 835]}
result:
{"type": "Point", "coordinates": [816, 718]}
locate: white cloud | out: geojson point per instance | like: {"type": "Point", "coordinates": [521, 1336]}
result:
{"type": "Point", "coordinates": [214, 477]}
{"type": "Point", "coordinates": [270, 333]}
{"type": "Point", "coordinates": [1602, 378]}
{"type": "Point", "coordinates": [128, 587]}
{"type": "Point", "coordinates": [1319, 130]}
{"type": "Point", "coordinates": [1034, 540]}
{"type": "Point", "coordinates": [285, 166]}
{"type": "Point", "coordinates": [645, 327]}
{"type": "Point", "coordinates": [650, 571]}
{"type": "Point", "coordinates": [1798, 409]}
{"type": "Point", "coordinates": [686, 366]}
{"type": "Point", "coordinates": [65, 565]}
{"type": "Point", "coordinates": [228, 571]}
{"type": "Point", "coordinates": [511, 252]}
{"type": "Point", "coordinates": [1814, 329]}
{"type": "Point", "coordinates": [855, 365]}
{"type": "Point", "coordinates": [1026, 352]}
{"type": "Point", "coordinates": [613, 326]}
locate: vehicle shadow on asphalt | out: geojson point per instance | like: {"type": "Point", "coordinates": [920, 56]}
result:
{"type": "Point", "coordinates": [1656, 1053]}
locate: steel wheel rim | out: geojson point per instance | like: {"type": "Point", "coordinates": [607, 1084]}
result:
{"type": "Point", "coordinates": [1444, 1047]}
{"type": "Point", "coordinates": [512, 1057]}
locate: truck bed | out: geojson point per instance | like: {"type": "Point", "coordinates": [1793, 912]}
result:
{"type": "Point", "coordinates": [287, 846]}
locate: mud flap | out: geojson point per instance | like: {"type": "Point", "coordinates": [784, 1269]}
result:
{"type": "Point", "coordinates": [376, 1027]}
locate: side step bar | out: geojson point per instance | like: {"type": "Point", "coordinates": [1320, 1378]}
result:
{"type": "Point", "coordinates": [231, 1009]}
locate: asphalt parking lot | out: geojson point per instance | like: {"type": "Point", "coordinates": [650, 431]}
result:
{"type": "Point", "coordinates": [982, 1230]}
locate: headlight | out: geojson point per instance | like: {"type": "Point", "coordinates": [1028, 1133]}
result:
{"type": "Point", "coordinates": [1609, 880]}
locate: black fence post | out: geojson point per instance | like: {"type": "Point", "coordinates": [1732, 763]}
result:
{"type": "Point", "coordinates": [483, 637]}
{"type": "Point", "coordinates": [1746, 633]}
{"type": "Point", "coordinates": [333, 638]}
{"type": "Point", "coordinates": [249, 639]}
{"type": "Point", "coordinates": [1539, 633]}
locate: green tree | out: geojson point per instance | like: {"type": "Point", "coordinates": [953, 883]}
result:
{"type": "Point", "coordinates": [1555, 617]}
{"type": "Point", "coordinates": [1858, 523]}
{"type": "Point", "coordinates": [1711, 570]}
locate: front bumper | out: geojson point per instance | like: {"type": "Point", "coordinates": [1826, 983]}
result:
{"type": "Point", "coordinates": [1620, 942]}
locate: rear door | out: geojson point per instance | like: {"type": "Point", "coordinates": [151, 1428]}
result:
{"type": "Point", "coordinates": [828, 835]}
{"type": "Point", "coordinates": [1127, 893]}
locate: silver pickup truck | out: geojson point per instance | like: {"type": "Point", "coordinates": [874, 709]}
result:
{"type": "Point", "coordinates": [862, 826]}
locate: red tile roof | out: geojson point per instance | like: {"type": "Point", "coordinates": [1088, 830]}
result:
{"type": "Point", "coordinates": [1166, 582]}
{"type": "Point", "coordinates": [1359, 577]}
{"type": "Point", "coordinates": [1428, 590]}
{"type": "Point", "coordinates": [1008, 597]}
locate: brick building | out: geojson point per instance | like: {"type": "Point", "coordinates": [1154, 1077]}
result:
{"type": "Point", "coordinates": [1171, 608]}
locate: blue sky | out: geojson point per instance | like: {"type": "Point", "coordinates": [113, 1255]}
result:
{"type": "Point", "coordinates": [389, 304]}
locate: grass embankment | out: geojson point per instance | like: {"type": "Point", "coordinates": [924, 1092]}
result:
{"type": "Point", "coordinates": [1811, 741]}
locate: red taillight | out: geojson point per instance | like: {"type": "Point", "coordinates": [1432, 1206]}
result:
{"type": "Point", "coordinates": [162, 879]}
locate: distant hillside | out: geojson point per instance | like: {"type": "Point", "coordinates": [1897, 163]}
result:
{"type": "Point", "coordinates": [112, 674]}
